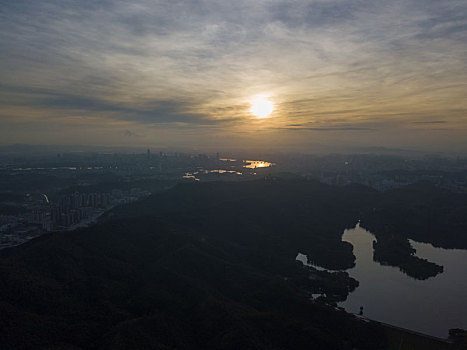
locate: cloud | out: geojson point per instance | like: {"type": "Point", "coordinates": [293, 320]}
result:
{"type": "Point", "coordinates": [196, 64]}
{"type": "Point", "coordinates": [431, 122]}
{"type": "Point", "coordinates": [335, 128]}
{"type": "Point", "coordinates": [129, 133]}
{"type": "Point", "coordinates": [163, 111]}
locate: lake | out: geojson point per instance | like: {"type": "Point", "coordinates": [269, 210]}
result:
{"type": "Point", "coordinates": [253, 164]}
{"type": "Point", "coordinates": [432, 306]}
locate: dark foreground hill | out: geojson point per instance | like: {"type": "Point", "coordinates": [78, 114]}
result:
{"type": "Point", "coordinates": [202, 266]}
{"type": "Point", "coordinates": [139, 284]}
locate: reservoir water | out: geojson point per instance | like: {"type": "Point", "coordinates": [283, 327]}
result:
{"type": "Point", "coordinates": [432, 306]}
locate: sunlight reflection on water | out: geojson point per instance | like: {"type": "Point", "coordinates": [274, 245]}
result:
{"type": "Point", "coordinates": [432, 306]}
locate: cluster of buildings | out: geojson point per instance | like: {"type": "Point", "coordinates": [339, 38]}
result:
{"type": "Point", "coordinates": [67, 212]}
{"type": "Point", "coordinates": [384, 181]}
{"type": "Point", "coordinates": [70, 210]}
{"type": "Point", "coordinates": [80, 208]}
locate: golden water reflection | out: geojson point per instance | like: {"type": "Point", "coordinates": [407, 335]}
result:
{"type": "Point", "coordinates": [253, 164]}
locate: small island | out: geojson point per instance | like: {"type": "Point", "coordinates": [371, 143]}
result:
{"type": "Point", "coordinates": [397, 251]}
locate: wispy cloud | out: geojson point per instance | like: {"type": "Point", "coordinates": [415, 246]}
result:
{"type": "Point", "coordinates": [431, 122]}
{"type": "Point", "coordinates": [158, 65]}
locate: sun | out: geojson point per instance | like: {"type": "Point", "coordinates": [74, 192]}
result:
{"type": "Point", "coordinates": [261, 107]}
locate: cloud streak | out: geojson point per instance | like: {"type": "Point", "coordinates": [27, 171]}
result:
{"type": "Point", "coordinates": [197, 64]}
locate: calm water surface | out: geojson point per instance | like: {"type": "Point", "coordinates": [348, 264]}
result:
{"type": "Point", "coordinates": [432, 306]}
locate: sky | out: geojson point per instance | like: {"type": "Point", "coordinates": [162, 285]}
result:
{"type": "Point", "coordinates": [338, 73]}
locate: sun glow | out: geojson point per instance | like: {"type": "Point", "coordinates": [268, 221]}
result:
{"type": "Point", "coordinates": [261, 107]}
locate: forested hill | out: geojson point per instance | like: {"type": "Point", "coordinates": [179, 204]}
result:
{"type": "Point", "coordinates": [200, 266]}
{"type": "Point", "coordinates": [174, 279]}
{"type": "Point", "coordinates": [284, 216]}
{"type": "Point", "coordinates": [421, 212]}
{"type": "Point", "coordinates": [314, 216]}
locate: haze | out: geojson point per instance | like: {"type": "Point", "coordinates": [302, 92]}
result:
{"type": "Point", "coordinates": [184, 73]}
